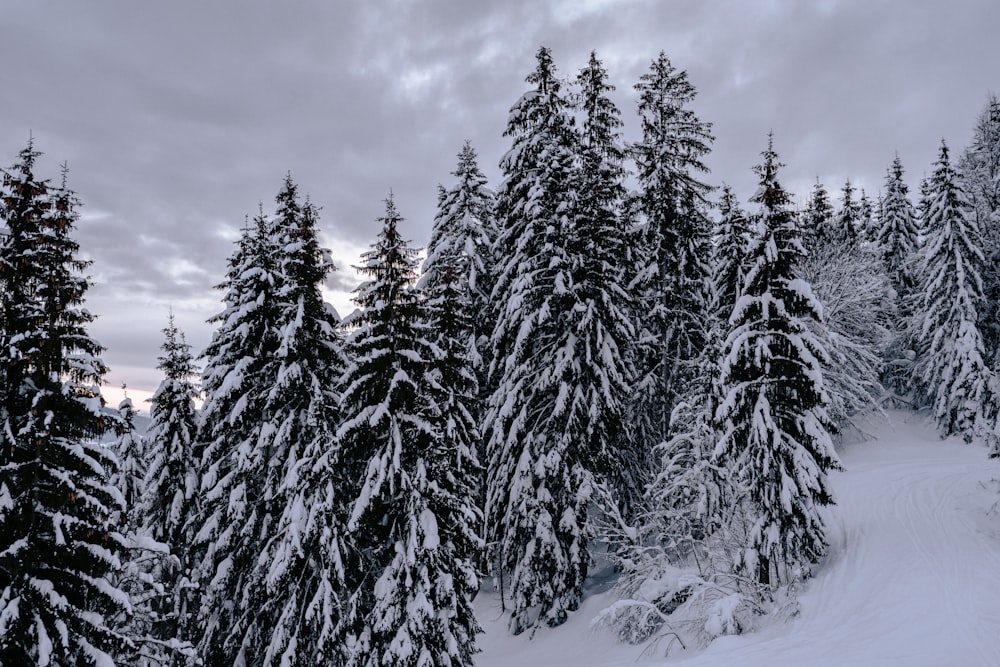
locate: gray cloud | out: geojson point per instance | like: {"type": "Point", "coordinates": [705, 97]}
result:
{"type": "Point", "coordinates": [177, 119]}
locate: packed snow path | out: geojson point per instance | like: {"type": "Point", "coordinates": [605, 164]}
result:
{"type": "Point", "coordinates": [913, 577]}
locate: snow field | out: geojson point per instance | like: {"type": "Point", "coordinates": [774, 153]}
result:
{"type": "Point", "coordinates": [912, 578]}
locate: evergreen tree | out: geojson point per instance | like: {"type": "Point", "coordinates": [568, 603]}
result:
{"type": "Point", "coordinates": [672, 275]}
{"type": "Point", "coordinates": [58, 544]}
{"type": "Point", "coordinates": [270, 412]}
{"type": "Point", "coordinates": [848, 224]}
{"type": "Point", "coordinates": [951, 362]}
{"type": "Point", "coordinates": [773, 419]}
{"type": "Point", "coordinates": [599, 329]}
{"type": "Point", "coordinates": [409, 518]}
{"type": "Point", "coordinates": [538, 481]}
{"type": "Point", "coordinates": [299, 578]}
{"type": "Point", "coordinates": [169, 501]}
{"type": "Point", "coordinates": [818, 219]}
{"type": "Point", "coordinates": [460, 475]}
{"type": "Point", "coordinates": [463, 233]}
{"type": "Point", "coordinates": [898, 243]}
{"type": "Point", "coordinates": [130, 451]}
{"type": "Point", "coordinates": [980, 171]}
{"type": "Point", "coordinates": [732, 237]}
{"type": "Point", "coordinates": [460, 255]}
{"type": "Point", "coordinates": [231, 527]}
{"type": "Point", "coordinates": [899, 231]}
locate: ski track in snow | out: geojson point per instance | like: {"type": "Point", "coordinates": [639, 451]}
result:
{"type": "Point", "coordinates": [912, 578]}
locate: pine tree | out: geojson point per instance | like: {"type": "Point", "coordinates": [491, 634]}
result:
{"type": "Point", "coordinates": [773, 419]}
{"type": "Point", "coordinates": [539, 485]}
{"type": "Point", "coordinates": [408, 517]}
{"type": "Point", "coordinates": [898, 242]}
{"type": "Point", "coordinates": [230, 528]}
{"type": "Point", "coordinates": [460, 254]}
{"type": "Point", "coordinates": [294, 597]}
{"type": "Point", "coordinates": [459, 473]}
{"type": "Point", "coordinates": [848, 223]}
{"type": "Point", "coordinates": [672, 272]}
{"type": "Point", "coordinates": [130, 451]}
{"type": "Point", "coordinates": [599, 328]}
{"type": "Point", "coordinates": [818, 221]}
{"type": "Point", "coordinates": [980, 172]}
{"type": "Point", "coordinates": [464, 232]}
{"type": "Point", "coordinates": [58, 545]}
{"type": "Point", "coordinates": [169, 502]}
{"type": "Point", "coordinates": [899, 231]}
{"type": "Point", "coordinates": [951, 365]}
{"type": "Point", "coordinates": [732, 238]}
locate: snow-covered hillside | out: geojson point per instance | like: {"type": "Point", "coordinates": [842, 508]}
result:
{"type": "Point", "coordinates": [913, 576]}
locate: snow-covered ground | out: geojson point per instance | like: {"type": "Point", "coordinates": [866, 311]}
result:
{"type": "Point", "coordinates": [913, 576]}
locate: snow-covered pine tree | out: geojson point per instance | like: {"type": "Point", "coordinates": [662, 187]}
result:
{"type": "Point", "coordinates": [169, 502]}
{"type": "Point", "coordinates": [980, 172]}
{"type": "Point", "coordinates": [774, 428]}
{"type": "Point", "coordinates": [898, 242]}
{"type": "Point", "coordinates": [732, 238]}
{"type": "Point", "coordinates": [465, 229]}
{"type": "Point", "coordinates": [818, 219]}
{"type": "Point", "coordinates": [950, 356]}
{"type": "Point", "coordinates": [462, 241]}
{"type": "Point", "coordinates": [413, 590]}
{"type": "Point", "coordinates": [58, 543]}
{"type": "Point", "coordinates": [229, 528]}
{"type": "Point", "coordinates": [456, 469]}
{"type": "Point", "coordinates": [672, 256]}
{"type": "Point", "coordinates": [599, 329]}
{"type": "Point", "coordinates": [130, 450]}
{"type": "Point", "coordinates": [538, 486]}
{"type": "Point", "coordinates": [294, 599]}
{"type": "Point", "coordinates": [899, 232]}
{"type": "Point", "coordinates": [848, 221]}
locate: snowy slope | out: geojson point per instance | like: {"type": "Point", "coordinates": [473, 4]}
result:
{"type": "Point", "coordinates": [913, 577]}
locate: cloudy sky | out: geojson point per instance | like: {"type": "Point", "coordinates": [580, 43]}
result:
{"type": "Point", "coordinates": [177, 119]}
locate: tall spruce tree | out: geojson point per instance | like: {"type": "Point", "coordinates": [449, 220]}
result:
{"type": "Point", "coordinates": [848, 223]}
{"type": "Point", "coordinates": [299, 577]}
{"type": "Point", "coordinates": [230, 527]}
{"type": "Point", "coordinates": [452, 321]}
{"type": "Point", "coordinates": [899, 231]}
{"type": "Point", "coordinates": [950, 363]}
{"type": "Point", "coordinates": [898, 242]}
{"type": "Point", "coordinates": [169, 502]}
{"type": "Point", "coordinates": [460, 255]}
{"type": "Point", "coordinates": [980, 172]}
{"type": "Point", "coordinates": [672, 257]}
{"type": "Point", "coordinates": [732, 238]}
{"type": "Point", "coordinates": [130, 450]}
{"type": "Point", "coordinates": [600, 329]}
{"type": "Point", "coordinates": [410, 518]}
{"type": "Point", "coordinates": [538, 482]}
{"type": "Point", "coordinates": [58, 544]}
{"type": "Point", "coordinates": [818, 224]}
{"type": "Point", "coordinates": [774, 427]}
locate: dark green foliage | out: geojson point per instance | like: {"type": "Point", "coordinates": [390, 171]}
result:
{"type": "Point", "coordinates": [774, 428]}
{"type": "Point", "coordinates": [672, 248]}
{"type": "Point", "coordinates": [58, 545]}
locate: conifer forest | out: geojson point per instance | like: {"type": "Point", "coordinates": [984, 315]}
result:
{"type": "Point", "coordinates": [608, 359]}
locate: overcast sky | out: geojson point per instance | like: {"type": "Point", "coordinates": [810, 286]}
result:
{"type": "Point", "coordinates": [178, 118]}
